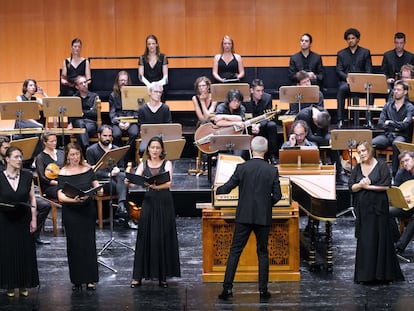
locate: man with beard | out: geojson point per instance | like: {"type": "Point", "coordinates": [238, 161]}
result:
{"type": "Point", "coordinates": [93, 154]}
{"type": "Point", "coordinates": [395, 120]}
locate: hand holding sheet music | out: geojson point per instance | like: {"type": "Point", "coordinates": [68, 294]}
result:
{"type": "Point", "coordinates": [145, 181]}
{"type": "Point", "coordinates": [73, 192]}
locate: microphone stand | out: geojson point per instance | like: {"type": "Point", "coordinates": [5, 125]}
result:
{"type": "Point", "coordinates": [111, 164]}
{"type": "Point", "coordinates": [351, 144]}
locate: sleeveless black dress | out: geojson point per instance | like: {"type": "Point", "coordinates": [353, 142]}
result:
{"type": "Point", "coordinates": [18, 262]}
{"type": "Point", "coordinates": [156, 250]}
{"type": "Point", "coordinates": [72, 73]}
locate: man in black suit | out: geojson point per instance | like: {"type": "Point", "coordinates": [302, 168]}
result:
{"type": "Point", "coordinates": [394, 59]}
{"type": "Point", "coordinates": [353, 59]}
{"type": "Point", "coordinates": [259, 190]}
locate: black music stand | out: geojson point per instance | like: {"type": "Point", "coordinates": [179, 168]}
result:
{"type": "Point", "coordinates": [347, 140]}
{"type": "Point", "coordinates": [228, 143]}
{"type": "Point", "coordinates": [62, 107]}
{"type": "Point", "coordinates": [19, 110]}
{"type": "Point", "coordinates": [109, 161]}
{"type": "Point", "coordinates": [368, 83]}
{"type": "Point", "coordinates": [299, 94]}
{"type": "Point", "coordinates": [133, 97]}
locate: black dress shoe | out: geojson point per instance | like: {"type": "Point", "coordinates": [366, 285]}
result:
{"type": "Point", "coordinates": [121, 211]}
{"type": "Point", "coordinates": [77, 287]}
{"type": "Point", "coordinates": [163, 284]}
{"type": "Point", "coordinates": [265, 294]}
{"type": "Point", "coordinates": [225, 294]}
{"type": "Point", "coordinates": [42, 242]}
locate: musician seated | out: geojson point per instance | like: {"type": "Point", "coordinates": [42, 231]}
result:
{"type": "Point", "coordinates": [231, 113]}
{"type": "Point", "coordinates": [93, 154]}
{"type": "Point", "coordinates": [302, 78]}
{"type": "Point", "coordinates": [297, 136]}
{"type": "Point", "coordinates": [116, 113]}
{"type": "Point", "coordinates": [318, 121]}
{"type": "Point", "coordinates": [153, 112]}
{"type": "Point", "coordinates": [404, 174]}
{"type": "Point", "coordinates": [88, 120]}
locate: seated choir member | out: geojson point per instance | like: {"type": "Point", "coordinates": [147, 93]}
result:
{"type": "Point", "coordinates": [153, 112]}
{"type": "Point", "coordinates": [204, 106]}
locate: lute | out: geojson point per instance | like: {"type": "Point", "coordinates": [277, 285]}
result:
{"type": "Point", "coordinates": [202, 136]}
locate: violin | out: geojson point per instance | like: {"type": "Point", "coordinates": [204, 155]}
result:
{"type": "Point", "coordinates": [52, 171]}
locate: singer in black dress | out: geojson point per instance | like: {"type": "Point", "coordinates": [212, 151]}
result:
{"type": "Point", "coordinates": [376, 260]}
{"type": "Point", "coordinates": [79, 218]}
{"type": "Point", "coordinates": [18, 263]}
{"type": "Point", "coordinates": [156, 250]}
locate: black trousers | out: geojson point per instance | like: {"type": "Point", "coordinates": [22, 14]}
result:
{"type": "Point", "coordinates": [43, 209]}
{"type": "Point", "coordinates": [240, 238]}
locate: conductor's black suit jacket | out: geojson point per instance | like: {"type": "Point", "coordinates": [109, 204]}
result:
{"type": "Point", "coordinates": [259, 190]}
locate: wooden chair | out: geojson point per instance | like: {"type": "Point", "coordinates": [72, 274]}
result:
{"type": "Point", "coordinates": [99, 206]}
{"type": "Point", "coordinates": [286, 125]}
{"type": "Point", "coordinates": [54, 204]}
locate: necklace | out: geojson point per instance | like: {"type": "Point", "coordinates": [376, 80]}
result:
{"type": "Point", "coordinates": [12, 177]}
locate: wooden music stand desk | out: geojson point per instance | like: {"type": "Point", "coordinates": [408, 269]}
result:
{"type": "Point", "coordinates": [367, 83]}
{"type": "Point", "coordinates": [134, 97]}
{"type": "Point", "coordinates": [219, 91]}
{"type": "Point", "coordinates": [167, 131]}
{"type": "Point", "coordinates": [299, 94]}
{"type": "Point", "coordinates": [404, 146]}
{"type": "Point", "coordinates": [70, 106]}
{"type": "Point", "coordinates": [17, 110]}
{"type": "Point", "coordinates": [348, 139]}
{"type": "Point", "coordinates": [111, 158]}
{"type": "Point", "coordinates": [230, 142]}
{"type": "Point", "coordinates": [173, 149]}
{"type": "Point", "coordinates": [26, 145]}
{"type": "Point", "coordinates": [410, 83]}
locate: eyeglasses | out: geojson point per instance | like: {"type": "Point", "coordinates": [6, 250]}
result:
{"type": "Point", "coordinates": [157, 92]}
{"type": "Point", "coordinates": [300, 135]}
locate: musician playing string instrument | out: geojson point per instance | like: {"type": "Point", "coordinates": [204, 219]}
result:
{"type": "Point", "coordinates": [260, 102]}
{"type": "Point", "coordinates": [404, 174]}
{"type": "Point", "coordinates": [232, 112]}
{"type": "Point", "coordinates": [48, 163]}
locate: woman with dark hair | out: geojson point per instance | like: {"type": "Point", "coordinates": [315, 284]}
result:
{"type": "Point", "coordinates": [156, 250]}
{"type": "Point", "coordinates": [227, 66]}
{"type": "Point", "coordinates": [79, 217]}
{"type": "Point", "coordinates": [48, 163]}
{"type": "Point", "coordinates": [74, 66]}
{"type": "Point", "coordinates": [376, 260]}
{"type": "Point", "coordinates": [18, 263]}
{"type": "Point", "coordinates": [153, 65]}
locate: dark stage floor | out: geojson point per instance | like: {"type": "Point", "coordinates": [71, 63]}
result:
{"type": "Point", "coordinates": [316, 291]}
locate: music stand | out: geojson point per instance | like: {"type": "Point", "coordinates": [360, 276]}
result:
{"type": "Point", "coordinates": [299, 157]}
{"type": "Point", "coordinates": [219, 91]}
{"type": "Point", "coordinates": [299, 94]}
{"type": "Point", "coordinates": [401, 146]}
{"type": "Point", "coordinates": [60, 107]}
{"type": "Point", "coordinates": [410, 83]}
{"type": "Point", "coordinates": [109, 161]}
{"type": "Point", "coordinates": [368, 83]}
{"type": "Point", "coordinates": [19, 110]}
{"type": "Point", "coordinates": [347, 140]}
{"type": "Point", "coordinates": [166, 131]}
{"type": "Point", "coordinates": [26, 145]}
{"type": "Point", "coordinates": [134, 97]}
{"type": "Point", "coordinates": [229, 143]}
{"type": "Point", "coordinates": [173, 149]}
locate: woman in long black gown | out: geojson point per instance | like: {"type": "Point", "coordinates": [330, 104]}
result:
{"type": "Point", "coordinates": [79, 218]}
{"type": "Point", "coordinates": [156, 250]}
{"type": "Point", "coordinates": [18, 263]}
{"type": "Point", "coordinates": [376, 260]}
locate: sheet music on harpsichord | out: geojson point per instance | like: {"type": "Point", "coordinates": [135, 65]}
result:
{"type": "Point", "coordinates": [226, 165]}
